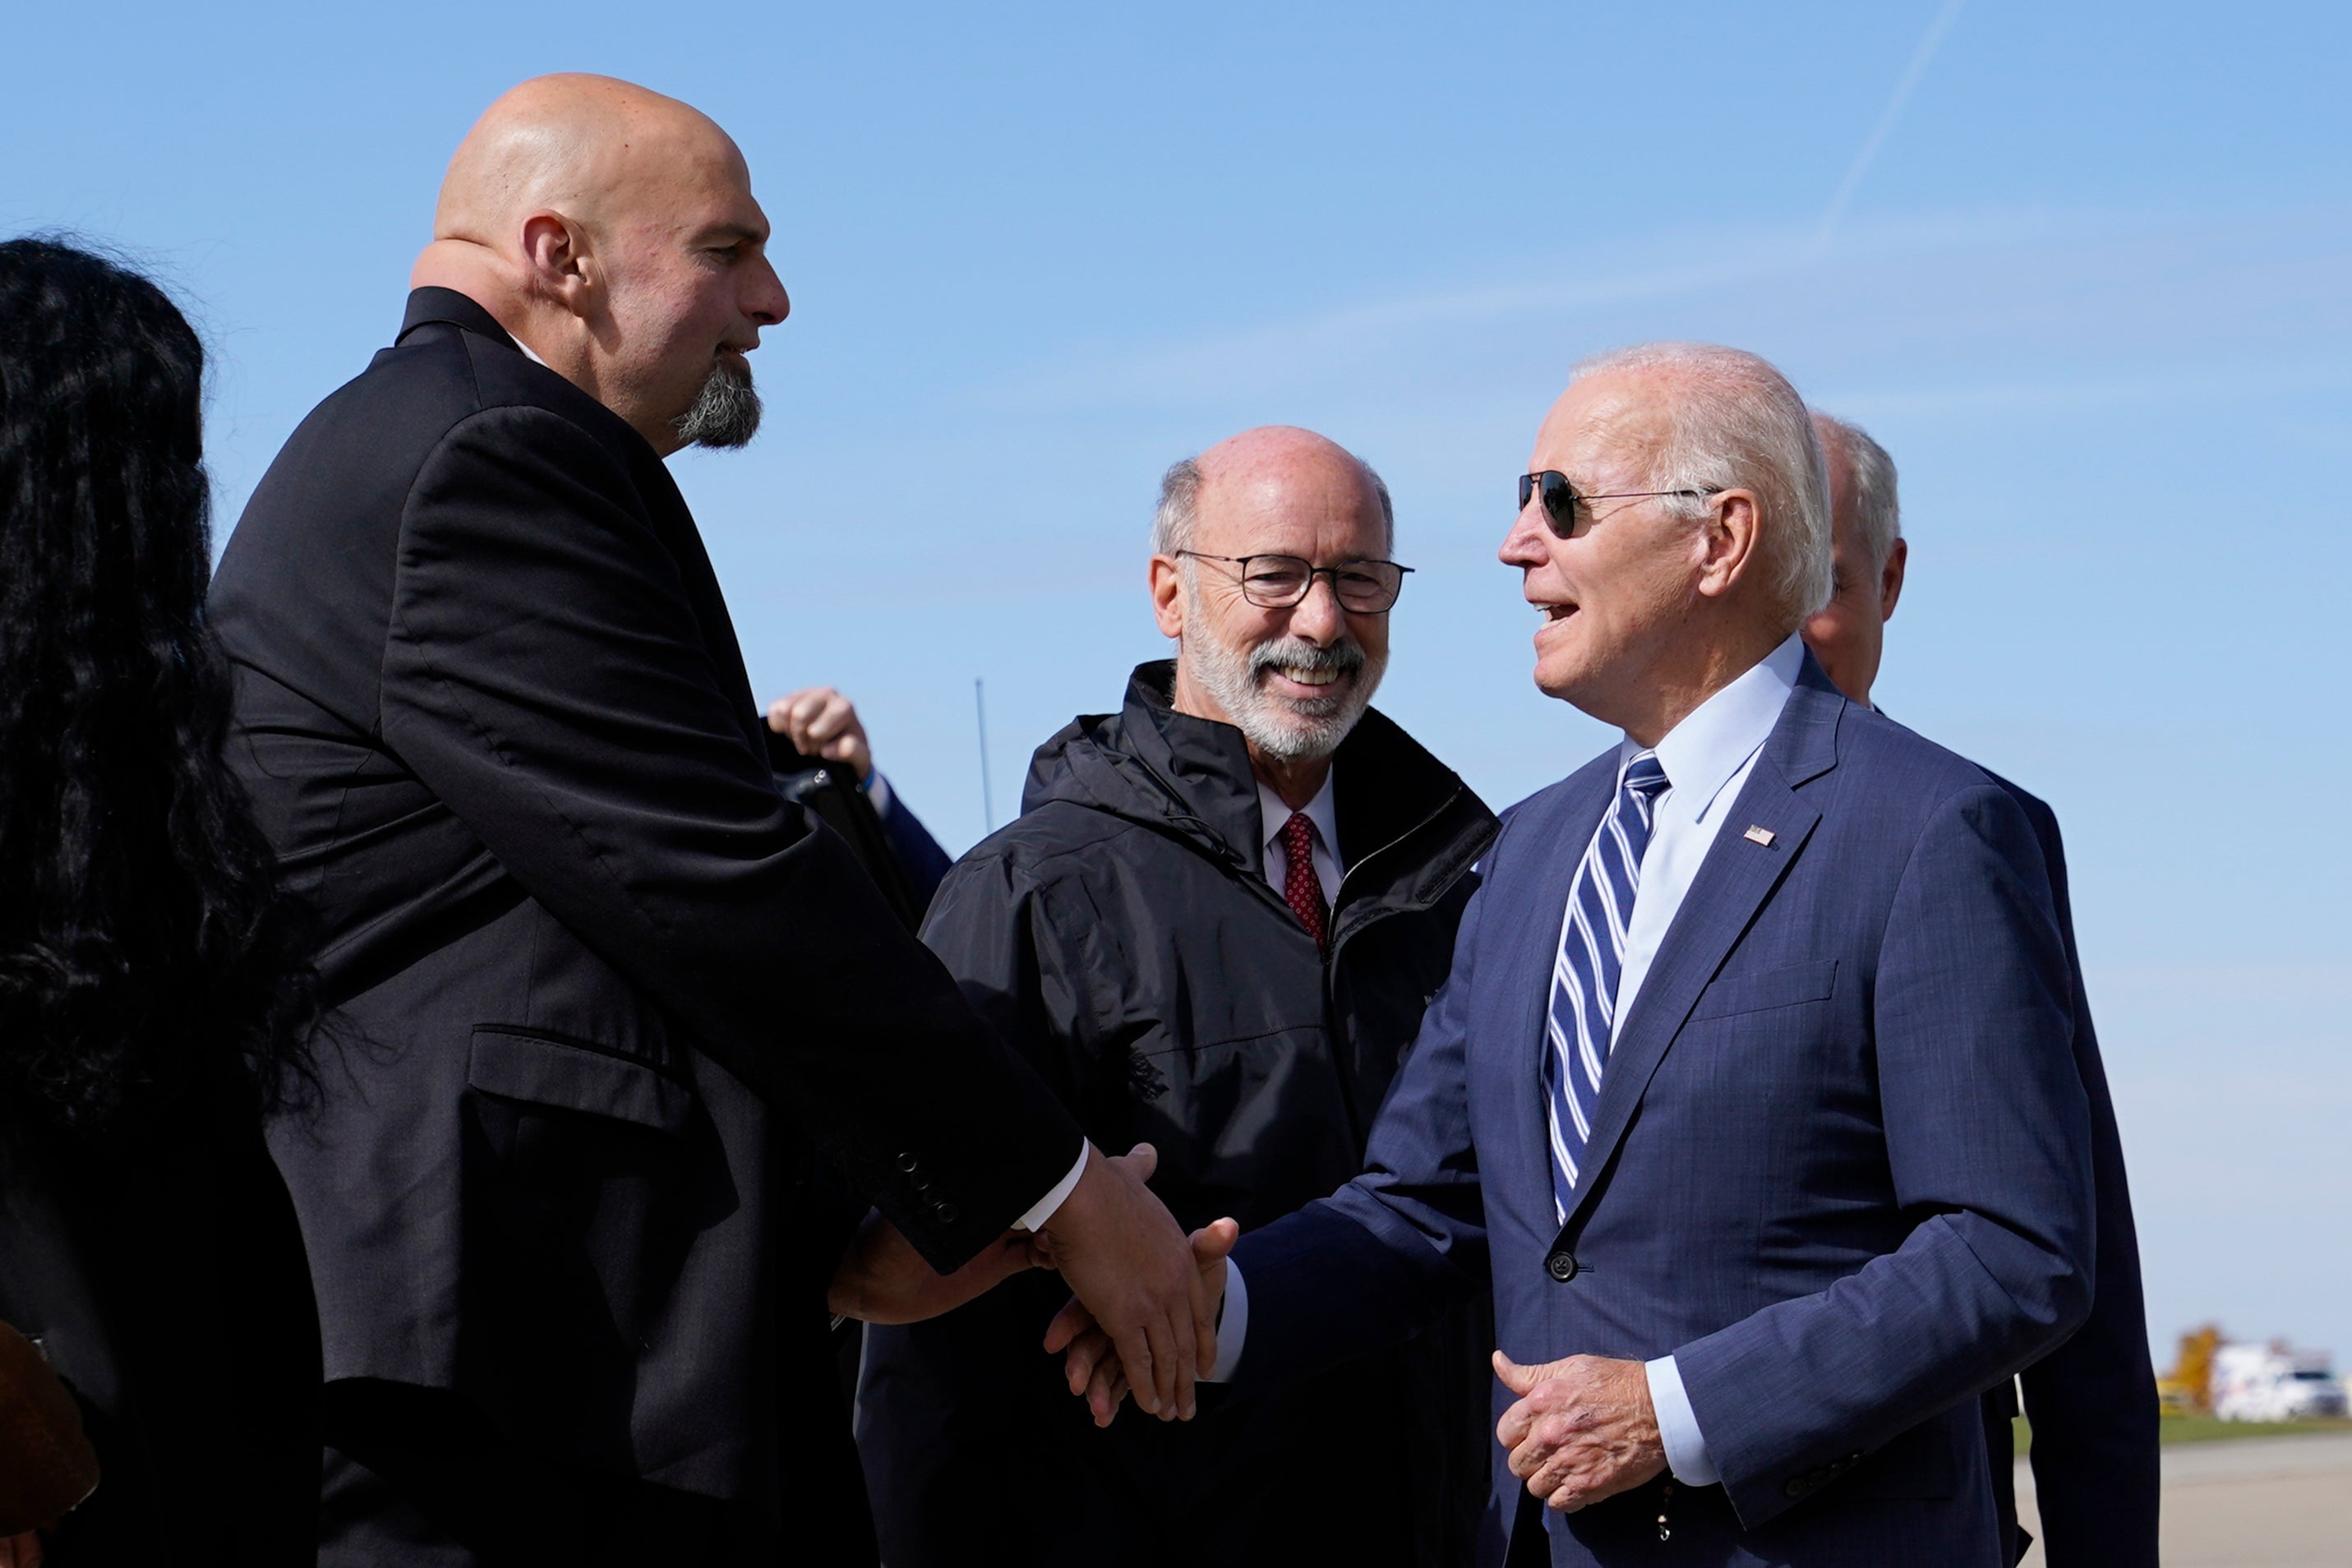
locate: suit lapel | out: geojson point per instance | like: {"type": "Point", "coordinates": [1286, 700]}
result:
{"type": "Point", "coordinates": [1733, 883]}
{"type": "Point", "coordinates": [675, 522]}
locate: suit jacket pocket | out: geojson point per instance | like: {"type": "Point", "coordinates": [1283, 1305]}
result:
{"type": "Point", "coordinates": [1785, 987]}
{"type": "Point", "coordinates": [517, 1063]}
{"type": "Point", "coordinates": [588, 1179]}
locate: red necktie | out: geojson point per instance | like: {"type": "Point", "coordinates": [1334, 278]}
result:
{"type": "Point", "coordinates": [1301, 888]}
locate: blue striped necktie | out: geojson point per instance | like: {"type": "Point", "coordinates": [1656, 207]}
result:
{"type": "Point", "coordinates": [1584, 978]}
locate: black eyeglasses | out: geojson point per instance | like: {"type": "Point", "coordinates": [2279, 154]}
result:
{"type": "Point", "coordinates": [1278, 581]}
{"type": "Point", "coordinates": [1560, 497]}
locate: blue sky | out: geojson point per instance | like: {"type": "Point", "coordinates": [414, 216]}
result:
{"type": "Point", "coordinates": [2091, 291]}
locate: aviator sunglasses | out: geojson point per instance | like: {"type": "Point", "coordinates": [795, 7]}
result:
{"type": "Point", "coordinates": [1560, 500]}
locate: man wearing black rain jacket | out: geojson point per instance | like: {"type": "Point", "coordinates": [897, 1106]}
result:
{"type": "Point", "coordinates": [1214, 928]}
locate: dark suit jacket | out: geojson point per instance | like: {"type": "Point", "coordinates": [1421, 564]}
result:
{"type": "Point", "coordinates": [2092, 1401]}
{"type": "Point", "coordinates": [1840, 1166]}
{"type": "Point", "coordinates": [611, 1019]}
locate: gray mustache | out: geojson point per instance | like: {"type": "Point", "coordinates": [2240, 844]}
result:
{"type": "Point", "coordinates": [1340, 658]}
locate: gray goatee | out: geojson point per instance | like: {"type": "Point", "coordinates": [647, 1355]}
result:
{"type": "Point", "coordinates": [726, 412]}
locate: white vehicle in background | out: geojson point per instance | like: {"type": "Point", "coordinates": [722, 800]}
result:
{"type": "Point", "coordinates": [2272, 1382]}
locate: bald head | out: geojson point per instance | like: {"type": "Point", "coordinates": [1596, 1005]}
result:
{"type": "Point", "coordinates": [612, 231]}
{"type": "Point", "coordinates": [594, 147]}
{"type": "Point", "coordinates": [1275, 463]}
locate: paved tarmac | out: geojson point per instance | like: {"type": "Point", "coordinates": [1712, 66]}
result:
{"type": "Point", "coordinates": [2247, 1502]}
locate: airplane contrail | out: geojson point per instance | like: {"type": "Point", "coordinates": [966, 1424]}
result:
{"type": "Point", "coordinates": [1878, 134]}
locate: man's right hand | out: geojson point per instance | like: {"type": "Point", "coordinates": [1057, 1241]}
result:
{"type": "Point", "coordinates": [1090, 1363]}
{"type": "Point", "coordinates": [1127, 1259]}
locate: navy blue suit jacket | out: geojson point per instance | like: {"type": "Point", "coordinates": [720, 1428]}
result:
{"type": "Point", "coordinates": [917, 853]}
{"type": "Point", "coordinates": [1840, 1165]}
{"type": "Point", "coordinates": [2092, 1401]}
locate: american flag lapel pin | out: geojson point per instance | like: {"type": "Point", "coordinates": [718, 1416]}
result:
{"type": "Point", "coordinates": [1758, 836]}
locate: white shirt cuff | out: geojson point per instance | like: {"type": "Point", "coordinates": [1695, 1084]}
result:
{"type": "Point", "coordinates": [1232, 1326]}
{"type": "Point", "coordinates": [878, 794]}
{"type": "Point", "coordinates": [1043, 1210]}
{"type": "Point", "coordinates": [1678, 1431]}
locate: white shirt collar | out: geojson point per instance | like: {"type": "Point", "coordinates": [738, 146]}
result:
{"type": "Point", "coordinates": [1716, 738]}
{"type": "Point", "coordinates": [1274, 812]}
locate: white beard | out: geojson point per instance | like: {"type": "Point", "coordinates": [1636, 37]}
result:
{"type": "Point", "coordinates": [1285, 728]}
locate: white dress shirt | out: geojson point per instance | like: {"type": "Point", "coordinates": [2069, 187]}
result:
{"type": "Point", "coordinates": [1323, 817]}
{"type": "Point", "coordinates": [1708, 758]}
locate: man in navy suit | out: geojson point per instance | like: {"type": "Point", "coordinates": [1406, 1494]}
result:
{"type": "Point", "coordinates": [2092, 1401]}
{"type": "Point", "coordinates": [1752, 1088]}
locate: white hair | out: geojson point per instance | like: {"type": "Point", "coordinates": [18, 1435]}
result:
{"type": "Point", "coordinates": [1735, 422]}
{"type": "Point", "coordinates": [1179, 505]}
{"type": "Point", "coordinates": [1877, 503]}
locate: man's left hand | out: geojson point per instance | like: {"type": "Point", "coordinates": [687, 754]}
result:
{"type": "Point", "coordinates": [1583, 1429]}
{"type": "Point", "coordinates": [883, 1280]}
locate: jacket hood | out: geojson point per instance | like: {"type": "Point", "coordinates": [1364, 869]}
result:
{"type": "Point", "coordinates": [1190, 777]}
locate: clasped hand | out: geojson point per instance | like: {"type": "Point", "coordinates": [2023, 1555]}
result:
{"type": "Point", "coordinates": [1125, 1258]}
{"type": "Point", "coordinates": [1094, 1364]}
{"type": "Point", "coordinates": [1583, 1429]}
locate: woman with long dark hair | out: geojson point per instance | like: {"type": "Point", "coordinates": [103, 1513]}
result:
{"type": "Point", "coordinates": [152, 998]}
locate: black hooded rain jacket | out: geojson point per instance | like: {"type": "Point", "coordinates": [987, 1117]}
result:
{"type": "Point", "coordinates": [1122, 934]}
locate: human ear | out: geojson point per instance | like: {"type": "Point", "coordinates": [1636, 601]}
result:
{"type": "Point", "coordinates": [1726, 540]}
{"type": "Point", "coordinates": [558, 264]}
{"type": "Point", "coordinates": [1890, 581]}
{"type": "Point", "coordinates": [1168, 596]}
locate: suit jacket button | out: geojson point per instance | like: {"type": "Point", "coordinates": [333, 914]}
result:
{"type": "Point", "coordinates": [909, 1163]}
{"type": "Point", "coordinates": [1562, 1265]}
{"type": "Point", "coordinates": [948, 1213]}
{"type": "Point", "coordinates": [1793, 1488]}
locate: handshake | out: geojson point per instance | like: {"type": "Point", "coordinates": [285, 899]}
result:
{"type": "Point", "coordinates": [1143, 1316]}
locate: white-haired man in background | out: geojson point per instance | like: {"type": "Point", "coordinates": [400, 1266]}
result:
{"type": "Point", "coordinates": [2092, 1401]}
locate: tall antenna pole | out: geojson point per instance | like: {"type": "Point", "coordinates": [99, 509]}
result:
{"type": "Point", "coordinates": [980, 710]}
